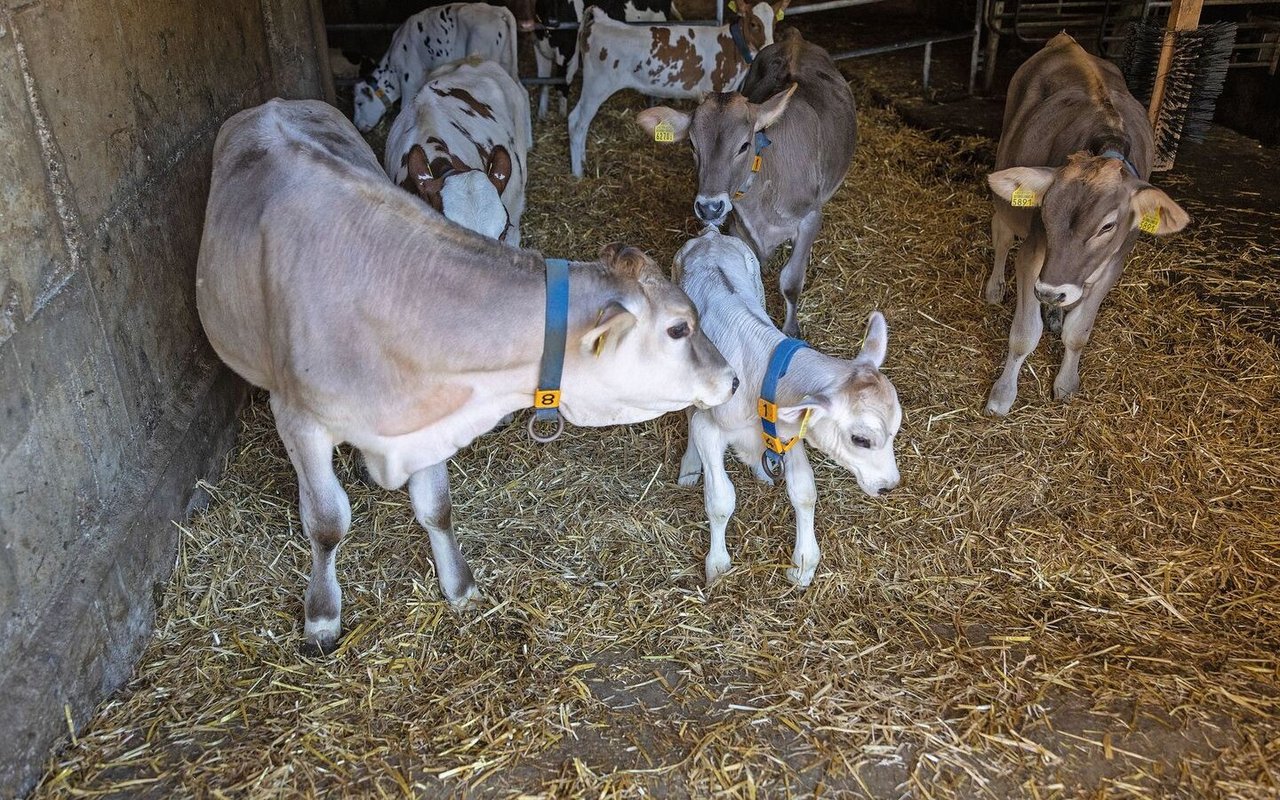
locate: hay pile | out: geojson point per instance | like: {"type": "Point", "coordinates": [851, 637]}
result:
{"type": "Point", "coordinates": [1080, 600]}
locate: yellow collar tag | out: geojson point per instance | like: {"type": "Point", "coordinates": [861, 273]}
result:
{"type": "Point", "coordinates": [664, 132]}
{"type": "Point", "coordinates": [1150, 222]}
{"type": "Point", "coordinates": [1022, 197]}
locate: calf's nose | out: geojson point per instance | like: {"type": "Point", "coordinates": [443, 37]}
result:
{"type": "Point", "coordinates": [709, 210]}
{"type": "Point", "coordinates": [884, 490]}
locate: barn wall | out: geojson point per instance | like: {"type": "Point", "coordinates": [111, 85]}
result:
{"type": "Point", "coordinates": [111, 403]}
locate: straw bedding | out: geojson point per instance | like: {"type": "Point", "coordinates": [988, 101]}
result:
{"type": "Point", "coordinates": [1078, 601]}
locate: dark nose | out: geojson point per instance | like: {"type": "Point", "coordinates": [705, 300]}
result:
{"type": "Point", "coordinates": [734, 389]}
{"type": "Point", "coordinates": [1052, 298]}
{"type": "Point", "coordinates": [885, 490]}
{"type": "Point", "coordinates": [709, 211]}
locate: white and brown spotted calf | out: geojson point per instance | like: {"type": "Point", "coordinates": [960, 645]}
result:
{"type": "Point", "coordinates": [772, 154]}
{"type": "Point", "coordinates": [671, 61]}
{"type": "Point", "coordinates": [554, 49]}
{"type": "Point", "coordinates": [852, 407]}
{"type": "Point", "coordinates": [428, 40]}
{"type": "Point", "coordinates": [373, 320]}
{"type": "Point", "coordinates": [1072, 168]}
{"type": "Point", "coordinates": [462, 145]}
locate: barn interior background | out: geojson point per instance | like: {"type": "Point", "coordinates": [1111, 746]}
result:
{"type": "Point", "coordinates": [1101, 618]}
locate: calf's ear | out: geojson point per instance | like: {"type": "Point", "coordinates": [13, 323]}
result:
{"type": "Point", "coordinates": [1155, 212]}
{"type": "Point", "coordinates": [876, 342]}
{"type": "Point", "coordinates": [795, 413]}
{"type": "Point", "coordinates": [631, 262]}
{"type": "Point", "coordinates": [615, 320]}
{"type": "Point", "coordinates": [678, 121]}
{"type": "Point", "coordinates": [1032, 181]}
{"type": "Point", "coordinates": [419, 180]}
{"type": "Point", "coordinates": [772, 108]}
{"type": "Point", "coordinates": [779, 7]}
{"type": "Point", "coordinates": [499, 168]}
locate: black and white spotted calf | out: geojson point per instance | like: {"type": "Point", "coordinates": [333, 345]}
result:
{"type": "Point", "coordinates": [427, 40]}
{"type": "Point", "coordinates": [555, 49]}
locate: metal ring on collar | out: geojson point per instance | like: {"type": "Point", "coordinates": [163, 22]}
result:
{"type": "Point", "coordinates": [537, 437]}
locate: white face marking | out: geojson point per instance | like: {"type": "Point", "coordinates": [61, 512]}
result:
{"type": "Point", "coordinates": [471, 200]}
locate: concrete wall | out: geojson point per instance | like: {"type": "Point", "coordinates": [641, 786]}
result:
{"type": "Point", "coordinates": [111, 403]}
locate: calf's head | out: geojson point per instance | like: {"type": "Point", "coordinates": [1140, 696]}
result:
{"type": "Point", "coordinates": [370, 99]}
{"type": "Point", "coordinates": [468, 196]}
{"type": "Point", "coordinates": [723, 133]}
{"type": "Point", "coordinates": [1092, 209]}
{"type": "Point", "coordinates": [643, 353]}
{"type": "Point", "coordinates": [855, 419]}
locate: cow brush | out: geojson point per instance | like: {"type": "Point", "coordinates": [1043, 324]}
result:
{"type": "Point", "coordinates": [1196, 74]}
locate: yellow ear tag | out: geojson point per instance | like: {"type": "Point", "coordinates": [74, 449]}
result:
{"type": "Point", "coordinates": [1022, 197]}
{"type": "Point", "coordinates": [756, 163]}
{"type": "Point", "coordinates": [804, 424]}
{"type": "Point", "coordinates": [733, 6]}
{"type": "Point", "coordinates": [1150, 222]}
{"type": "Point", "coordinates": [778, 17]}
{"type": "Point", "coordinates": [598, 348]}
{"type": "Point", "coordinates": [664, 132]}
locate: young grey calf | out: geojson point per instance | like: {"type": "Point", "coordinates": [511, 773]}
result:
{"type": "Point", "coordinates": [1073, 164]}
{"type": "Point", "coordinates": [771, 154]}
{"type": "Point", "coordinates": [847, 409]}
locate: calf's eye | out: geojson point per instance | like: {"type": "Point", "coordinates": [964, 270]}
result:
{"type": "Point", "coordinates": [744, 147]}
{"type": "Point", "coordinates": [1108, 228]}
{"type": "Point", "coordinates": [679, 330]}
{"type": "Point", "coordinates": [861, 441]}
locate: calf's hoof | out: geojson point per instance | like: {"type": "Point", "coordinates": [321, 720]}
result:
{"type": "Point", "coordinates": [1000, 401]}
{"type": "Point", "coordinates": [993, 293]}
{"type": "Point", "coordinates": [464, 599]}
{"type": "Point", "coordinates": [717, 566]}
{"type": "Point", "coordinates": [689, 479]}
{"type": "Point", "coordinates": [802, 576]}
{"type": "Point", "coordinates": [791, 329]}
{"type": "Point", "coordinates": [322, 637]}
{"type": "Point", "coordinates": [1065, 389]}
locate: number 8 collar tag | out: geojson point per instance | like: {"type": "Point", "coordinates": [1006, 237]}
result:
{"type": "Point", "coordinates": [546, 399]}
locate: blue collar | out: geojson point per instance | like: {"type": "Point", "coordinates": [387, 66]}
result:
{"type": "Point", "coordinates": [744, 50]}
{"type": "Point", "coordinates": [1116, 154]}
{"type": "Point", "coordinates": [767, 405]}
{"type": "Point", "coordinates": [546, 399]}
{"type": "Point", "coordinates": [761, 142]}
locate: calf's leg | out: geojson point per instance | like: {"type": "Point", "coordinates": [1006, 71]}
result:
{"type": "Point", "coordinates": [1024, 331]}
{"type": "Point", "coordinates": [803, 493]}
{"type": "Point", "coordinates": [1076, 328]}
{"type": "Point", "coordinates": [326, 517]}
{"type": "Point", "coordinates": [592, 97]}
{"type": "Point", "coordinates": [717, 491]}
{"type": "Point", "coordinates": [1001, 242]}
{"type": "Point", "coordinates": [690, 462]}
{"type": "Point", "coordinates": [543, 61]}
{"type": "Point", "coordinates": [791, 280]}
{"type": "Point", "coordinates": [429, 493]}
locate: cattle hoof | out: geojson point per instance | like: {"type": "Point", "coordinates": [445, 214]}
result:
{"type": "Point", "coordinates": [322, 637]}
{"type": "Point", "coordinates": [998, 406]}
{"type": "Point", "coordinates": [716, 568]}
{"type": "Point", "coordinates": [467, 600]}
{"type": "Point", "coordinates": [994, 295]}
{"type": "Point", "coordinates": [791, 329]}
{"type": "Point", "coordinates": [1065, 391]}
{"type": "Point", "coordinates": [801, 577]}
